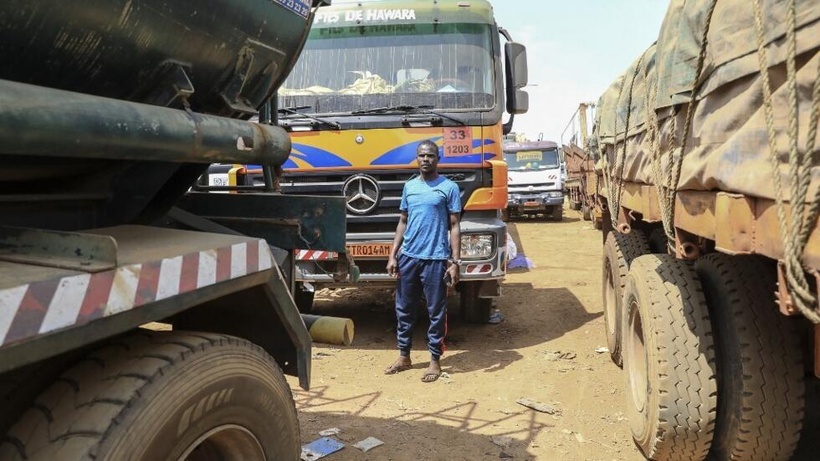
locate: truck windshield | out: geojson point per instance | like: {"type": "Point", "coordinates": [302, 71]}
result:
{"type": "Point", "coordinates": [530, 160]}
{"type": "Point", "coordinates": [360, 68]}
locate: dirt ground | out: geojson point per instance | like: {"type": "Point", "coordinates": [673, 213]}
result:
{"type": "Point", "coordinates": [546, 349]}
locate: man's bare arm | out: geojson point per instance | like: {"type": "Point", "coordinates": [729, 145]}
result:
{"type": "Point", "coordinates": [392, 264]}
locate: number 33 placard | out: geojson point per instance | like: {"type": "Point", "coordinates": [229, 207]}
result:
{"type": "Point", "coordinates": [458, 141]}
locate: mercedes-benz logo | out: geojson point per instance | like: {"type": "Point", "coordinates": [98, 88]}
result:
{"type": "Point", "coordinates": [362, 193]}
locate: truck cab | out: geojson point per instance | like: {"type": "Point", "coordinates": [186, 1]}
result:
{"type": "Point", "coordinates": [536, 178]}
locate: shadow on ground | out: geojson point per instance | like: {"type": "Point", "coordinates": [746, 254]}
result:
{"type": "Point", "coordinates": [450, 434]}
{"type": "Point", "coordinates": [531, 316]}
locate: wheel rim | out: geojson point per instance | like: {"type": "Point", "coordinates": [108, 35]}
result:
{"type": "Point", "coordinates": [228, 442]}
{"type": "Point", "coordinates": [636, 362]}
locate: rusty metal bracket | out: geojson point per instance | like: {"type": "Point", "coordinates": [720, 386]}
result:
{"type": "Point", "coordinates": [687, 245]}
{"type": "Point", "coordinates": [66, 250]}
{"type": "Point", "coordinates": [625, 219]}
{"type": "Point", "coordinates": [346, 269]}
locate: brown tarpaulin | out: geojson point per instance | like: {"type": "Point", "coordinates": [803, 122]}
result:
{"type": "Point", "coordinates": [727, 148]}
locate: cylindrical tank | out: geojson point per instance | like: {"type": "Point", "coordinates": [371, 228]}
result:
{"type": "Point", "coordinates": [235, 52]}
{"type": "Point", "coordinates": [75, 160]}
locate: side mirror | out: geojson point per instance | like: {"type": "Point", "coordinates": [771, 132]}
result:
{"type": "Point", "coordinates": [515, 55]}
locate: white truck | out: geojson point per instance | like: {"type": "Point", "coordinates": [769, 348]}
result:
{"type": "Point", "coordinates": [535, 179]}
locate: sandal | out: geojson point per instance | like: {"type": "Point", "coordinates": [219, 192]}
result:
{"type": "Point", "coordinates": [396, 367]}
{"type": "Point", "coordinates": [432, 373]}
{"type": "Point", "coordinates": [430, 376]}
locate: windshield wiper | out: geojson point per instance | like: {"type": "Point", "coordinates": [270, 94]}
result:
{"type": "Point", "coordinates": [295, 111]}
{"type": "Point", "coordinates": [381, 110]}
{"type": "Point", "coordinates": [407, 109]}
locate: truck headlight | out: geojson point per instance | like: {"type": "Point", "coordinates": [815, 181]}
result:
{"type": "Point", "coordinates": [555, 194]}
{"type": "Point", "coordinates": [476, 246]}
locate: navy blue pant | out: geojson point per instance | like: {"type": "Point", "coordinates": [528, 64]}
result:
{"type": "Point", "coordinates": [417, 277]}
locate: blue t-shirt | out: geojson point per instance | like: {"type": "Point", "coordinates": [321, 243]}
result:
{"type": "Point", "coordinates": [428, 206]}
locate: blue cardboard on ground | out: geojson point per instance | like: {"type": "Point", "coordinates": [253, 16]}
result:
{"type": "Point", "coordinates": [320, 448]}
{"type": "Point", "coordinates": [520, 262]}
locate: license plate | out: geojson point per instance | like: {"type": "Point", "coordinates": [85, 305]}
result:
{"type": "Point", "coordinates": [370, 250]}
{"type": "Point", "coordinates": [531, 204]}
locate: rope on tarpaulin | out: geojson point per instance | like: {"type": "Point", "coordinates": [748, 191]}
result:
{"type": "Point", "coordinates": [616, 190]}
{"type": "Point", "coordinates": [675, 164]}
{"type": "Point", "coordinates": [795, 231]}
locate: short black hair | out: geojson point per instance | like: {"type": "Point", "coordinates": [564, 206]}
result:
{"type": "Point", "coordinates": [430, 144]}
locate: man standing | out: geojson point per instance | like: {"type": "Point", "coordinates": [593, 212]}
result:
{"type": "Point", "coordinates": [425, 257]}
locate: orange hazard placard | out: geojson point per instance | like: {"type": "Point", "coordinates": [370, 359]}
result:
{"type": "Point", "coordinates": [458, 141]}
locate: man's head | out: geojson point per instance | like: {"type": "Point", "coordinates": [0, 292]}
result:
{"type": "Point", "coordinates": [427, 156]}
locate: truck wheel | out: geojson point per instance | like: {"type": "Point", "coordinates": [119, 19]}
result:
{"type": "Point", "coordinates": [759, 361]}
{"type": "Point", "coordinates": [20, 387]}
{"type": "Point", "coordinates": [505, 215]}
{"type": "Point", "coordinates": [473, 308]}
{"type": "Point", "coordinates": [558, 213]}
{"type": "Point", "coordinates": [619, 251]}
{"type": "Point", "coordinates": [163, 395]}
{"type": "Point", "coordinates": [586, 212]}
{"type": "Point", "coordinates": [303, 298]}
{"type": "Point", "coordinates": [669, 360]}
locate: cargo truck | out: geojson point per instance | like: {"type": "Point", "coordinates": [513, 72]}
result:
{"type": "Point", "coordinates": [708, 167]}
{"type": "Point", "coordinates": [374, 80]}
{"type": "Point", "coordinates": [109, 112]}
{"type": "Point", "coordinates": [583, 181]}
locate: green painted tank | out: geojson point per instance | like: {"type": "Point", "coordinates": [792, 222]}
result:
{"type": "Point", "coordinates": [111, 109]}
{"type": "Point", "coordinates": [234, 52]}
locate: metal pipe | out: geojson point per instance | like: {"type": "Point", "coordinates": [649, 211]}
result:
{"type": "Point", "coordinates": [688, 250]}
{"type": "Point", "coordinates": [624, 228]}
{"type": "Point", "coordinates": [39, 121]}
{"type": "Point", "coordinates": [329, 330]}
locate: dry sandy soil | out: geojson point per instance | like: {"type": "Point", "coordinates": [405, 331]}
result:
{"type": "Point", "coordinates": [544, 350]}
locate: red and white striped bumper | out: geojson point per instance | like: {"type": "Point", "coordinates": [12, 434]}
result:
{"type": "Point", "coordinates": [52, 299]}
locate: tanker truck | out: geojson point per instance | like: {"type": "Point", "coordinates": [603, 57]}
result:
{"type": "Point", "coordinates": [109, 112]}
{"type": "Point", "coordinates": [707, 162]}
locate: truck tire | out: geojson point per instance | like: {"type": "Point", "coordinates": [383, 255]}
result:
{"type": "Point", "coordinates": [669, 360]}
{"type": "Point", "coordinates": [162, 395]}
{"type": "Point", "coordinates": [20, 387]}
{"type": "Point", "coordinates": [505, 215]}
{"type": "Point", "coordinates": [619, 251]}
{"type": "Point", "coordinates": [473, 308]}
{"type": "Point", "coordinates": [303, 298]}
{"type": "Point", "coordinates": [586, 212]}
{"type": "Point", "coordinates": [759, 361]}
{"type": "Point", "coordinates": [558, 213]}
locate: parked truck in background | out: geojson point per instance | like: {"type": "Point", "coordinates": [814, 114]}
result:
{"type": "Point", "coordinates": [109, 112]}
{"type": "Point", "coordinates": [375, 79]}
{"type": "Point", "coordinates": [583, 181]}
{"type": "Point", "coordinates": [709, 173]}
{"type": "Point", "coordinates": [535, 183]}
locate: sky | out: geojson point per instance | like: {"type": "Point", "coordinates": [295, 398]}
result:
{"type": "Point", "coordinates": [575, 50]}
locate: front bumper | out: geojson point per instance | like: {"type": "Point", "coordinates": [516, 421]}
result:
{"type": "Point", "coordinates": [373, 269]}
{"type": "Point", "coordinates": [534, 202]}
